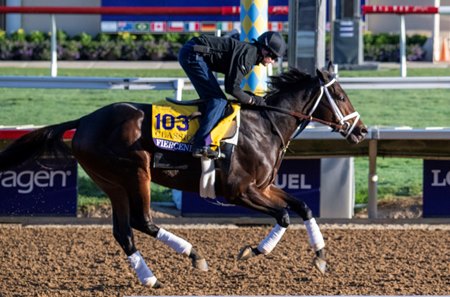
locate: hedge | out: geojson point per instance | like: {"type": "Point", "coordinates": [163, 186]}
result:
{"type": "Point", "coordinates": [125, 46]}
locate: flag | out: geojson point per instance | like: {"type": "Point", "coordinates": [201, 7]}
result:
{"type": "Point", "coordinates": [158, 26]}
{"type": "Point", "coordinates": [175, 27]}
{"type": "Point", "coordinates": [275, 26]}
{"type": "Point", "coordinates": [208, 27]}
{"type": "Point", "coordinates": [192, 26]}
{"type": "Point", "coordinates": [225, 26]}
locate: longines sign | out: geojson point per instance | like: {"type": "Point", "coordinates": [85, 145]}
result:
{"type": "Point", "coordinates": [300, 178]}
{"type": "Point", "coordinates": [436, 188]}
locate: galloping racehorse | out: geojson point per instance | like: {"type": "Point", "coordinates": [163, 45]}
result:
{"type": "Point", "coordinates": [114, 146]}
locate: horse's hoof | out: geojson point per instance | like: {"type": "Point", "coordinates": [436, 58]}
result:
{"type": "Point", "coordinates": [246, 253]}
{"type": "Point", "coordinates": [200, 264]}
{"type": "Point", "coordinates": [320, 264]}
{"type": "Point", "coordinates": [157, 285]}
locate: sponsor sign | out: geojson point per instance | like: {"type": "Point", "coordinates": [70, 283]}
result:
{"type": "Point", "coordinates": [436, 188]}
{"type": "Point", "coordinates": [184, 3]}
{"type": "Point", "coordinates": [46, 186]}
{"type": "Point", "coordinates": [300, 178]}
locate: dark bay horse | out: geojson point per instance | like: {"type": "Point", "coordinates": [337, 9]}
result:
{"type": "Point", "coordinates": [114, 146]}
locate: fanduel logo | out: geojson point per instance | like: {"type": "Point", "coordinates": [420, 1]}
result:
{"type": "Point", "coordinates": [292, 181]}
{"type": "Point", "coordinates": [25, 181]}
{"type": "Point", "coordinates": [440, 179]}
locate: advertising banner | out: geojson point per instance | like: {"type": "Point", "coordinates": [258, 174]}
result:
{"type": "Point", "coordinates": [436, 188]}
{"type": "Point", "coordinates": [183, 3]}
{"type": "Point", "coordinates": [47, 186]}
{"type": "Point", "coordinates": [300, 178]}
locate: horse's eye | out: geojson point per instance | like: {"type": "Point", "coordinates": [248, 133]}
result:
{"type": "Point", "coordinates": [342, 97]}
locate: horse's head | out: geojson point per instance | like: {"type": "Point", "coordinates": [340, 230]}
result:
{"type": "Point", "coordinates": [333, 106]}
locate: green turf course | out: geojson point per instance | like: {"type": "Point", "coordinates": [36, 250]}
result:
{"type": "Point", "coordinates": [397, 177]}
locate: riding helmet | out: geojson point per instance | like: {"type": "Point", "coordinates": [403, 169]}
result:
{"type": "Point", "coordinates": [273, 41]}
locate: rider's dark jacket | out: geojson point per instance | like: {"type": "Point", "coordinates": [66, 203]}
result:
{"type": "Point", "coordinates": [234, 58]}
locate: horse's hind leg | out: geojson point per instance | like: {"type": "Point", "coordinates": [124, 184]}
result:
{"type": "Point", "coordinates": [138, 190]}
{"type": "Point", "coordinates": [122, 231]}
{"type": "Point", "coordinates": [178, 244]}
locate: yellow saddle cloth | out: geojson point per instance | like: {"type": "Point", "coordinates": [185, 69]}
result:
{"type": "Point", "coordinates": [172, 128]}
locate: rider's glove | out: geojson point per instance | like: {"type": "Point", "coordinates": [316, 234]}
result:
{"type": "Point", "coordinates": [255, 100]}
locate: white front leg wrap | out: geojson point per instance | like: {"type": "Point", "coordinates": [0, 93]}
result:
{"type": "Point", "coordinates": [315, 236]}
{"type": "Point", "coordinates": [144, 273]}
{"type": "Point", "coordinates": [269, 243]}
{"type": "Point", "coordinates": [180, 245]}
{"type": "Point", "coordinates": [208, 178]}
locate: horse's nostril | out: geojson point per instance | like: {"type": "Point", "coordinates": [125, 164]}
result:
{"type": "Point", "coordinates": [364, 131]}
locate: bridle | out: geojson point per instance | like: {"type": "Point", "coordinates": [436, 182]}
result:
{"type": "Point", "coordinates": [344, 127]}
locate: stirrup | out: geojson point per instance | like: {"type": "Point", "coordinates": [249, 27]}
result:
{"type": "Point", "coordinates": [207, 152]}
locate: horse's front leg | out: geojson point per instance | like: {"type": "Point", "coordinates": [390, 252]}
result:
{"type": "Point", "coordinates": [259, 200]}
{"type": "Point", "coordinates": [265, 246]}
{"type": "Point", "coordinates": [274, 202]}
{"type": "Point", "coordinates": [315, 236]}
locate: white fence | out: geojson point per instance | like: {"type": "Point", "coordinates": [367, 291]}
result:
{"type": "Point", "coordinates": [112, 83]}
{"type": "Point", "coordinates": [417, 143]}
{"type": "Point", "coordinates": [180, 84]}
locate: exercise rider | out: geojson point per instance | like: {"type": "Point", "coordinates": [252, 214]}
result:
{"type": "Point", "coordinates": [205, 54]}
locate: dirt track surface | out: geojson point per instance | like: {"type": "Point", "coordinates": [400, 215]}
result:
{"type": "Point", "coordinates": [86, 261]}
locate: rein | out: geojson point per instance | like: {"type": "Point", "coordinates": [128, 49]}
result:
{"type": "Point", "coordinates": [301, 117]}
{"type": "Point", "coordinates": [344, 125]}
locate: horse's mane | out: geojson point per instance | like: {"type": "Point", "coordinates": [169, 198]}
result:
{"type": "Point", "coordinates": [287, 81]}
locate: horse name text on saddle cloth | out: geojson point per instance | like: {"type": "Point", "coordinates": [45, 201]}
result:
{"type": "Point", "coordinates": [172, 129]}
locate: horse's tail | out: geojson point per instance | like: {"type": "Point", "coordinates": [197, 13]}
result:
{"type": "Point", "coordinates": [36, 143]}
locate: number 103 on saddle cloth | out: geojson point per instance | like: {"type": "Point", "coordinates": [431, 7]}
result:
{"type": "Point", "coordinates": [173, 126]}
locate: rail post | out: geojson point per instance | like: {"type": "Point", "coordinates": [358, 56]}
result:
{"type": "Point", "coordinates": [373, 180]}
{"type": "Point", "coordinates": [54, 49]}
{"type": "Point", "coordinates": [402, 46]}
{"type": "Point", "coordinates": [410, 9]}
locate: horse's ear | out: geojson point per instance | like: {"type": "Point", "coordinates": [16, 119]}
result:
{"type": "Point", "coordinates": [320, 75]}
{"type": "Point", "coordinates": [330, 67]}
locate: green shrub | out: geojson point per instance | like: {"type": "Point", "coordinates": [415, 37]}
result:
{"type": "Point", "coordinates": [19, 45]}
{"type": "Point", "coordinates": [385, 47]}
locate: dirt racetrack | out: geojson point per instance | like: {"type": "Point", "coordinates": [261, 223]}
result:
{"type": "Point", "coordinates": [86, 261]}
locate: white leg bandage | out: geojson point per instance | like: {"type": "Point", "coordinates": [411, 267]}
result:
{"type": "Point", "coordinates": [208, 179]}
{"type": "Point", "coordinates": [269, 243]}
{"type": "Point", "coordinates": [180, 245]}
{"type": "Point", "coordinates": [144, 273]}
{"type": "Point", "coordinates": [315, 236]}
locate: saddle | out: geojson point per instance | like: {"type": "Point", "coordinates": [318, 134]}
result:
{"type": "Point", "coordinates": [174, 123]}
